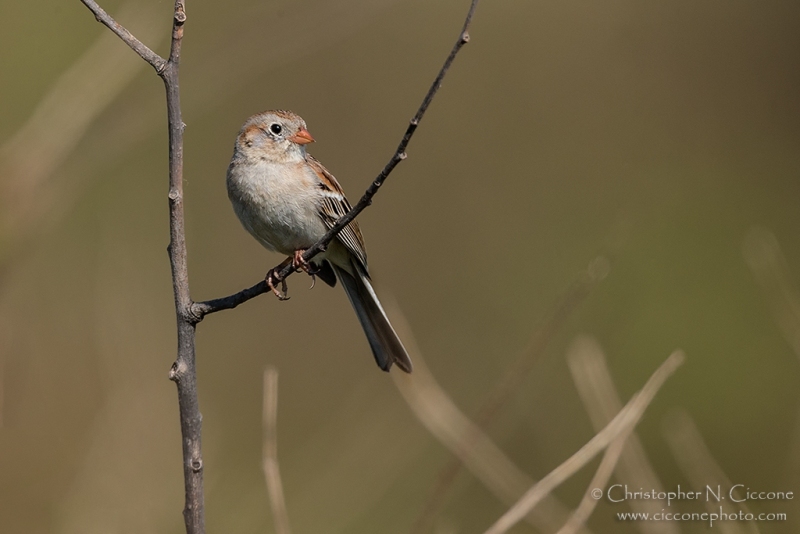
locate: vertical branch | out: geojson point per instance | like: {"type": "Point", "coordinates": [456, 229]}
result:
{"type": "Point", "coordinates": [183, 371]}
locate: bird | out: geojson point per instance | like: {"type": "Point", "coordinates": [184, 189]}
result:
{"type": "Point", "coordinates": [287, 200]}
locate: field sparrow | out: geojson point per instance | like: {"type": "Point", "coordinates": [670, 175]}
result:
{"type": "Point", "coordinates": [287, 200]}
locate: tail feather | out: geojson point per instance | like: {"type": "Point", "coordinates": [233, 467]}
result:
{"type": "Point", "coordinates": [386, 346]}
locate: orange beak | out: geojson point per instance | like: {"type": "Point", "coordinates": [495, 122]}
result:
{"type": "Point", "coordinates": [302, 137]}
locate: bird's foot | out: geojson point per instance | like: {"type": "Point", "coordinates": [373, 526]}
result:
{"type": "Point", "coordinates": [273, 278]}
{"type": "Point", "coordinates": [300, 264]}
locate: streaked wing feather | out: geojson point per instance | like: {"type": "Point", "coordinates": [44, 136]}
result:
{"type": "Point", "coordinates": [335, 205]}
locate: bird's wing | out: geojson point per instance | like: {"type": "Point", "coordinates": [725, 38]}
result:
{"type": "Point", "coordinates": [335, 205]}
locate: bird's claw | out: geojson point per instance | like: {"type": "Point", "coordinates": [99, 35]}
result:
{"type": "Point", "coordinates": [300, 264]}
{"type": "Point", "coordinates": [271, 279]}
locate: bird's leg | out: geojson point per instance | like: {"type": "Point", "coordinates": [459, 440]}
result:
{"type": "Point", "coordinates": [273, 277]}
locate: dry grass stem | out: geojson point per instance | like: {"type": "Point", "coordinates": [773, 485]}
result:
{"type": "Point", "coordinates": [765, 258]}
{"type": "Point", "coordinates": [622, 423]}
{"type": "Point", "coordinates": [596, 389]}
{"type": "Point", "coordinates": [486, 461]}
{"type": "Point", "coordinates": [699, 466]}
{"type": "Point", "coordinates": [509, 384]}
{"type": "Point", "coordinates": [272, 473]}
{"type": "Point", "coordinates": [599, 480]}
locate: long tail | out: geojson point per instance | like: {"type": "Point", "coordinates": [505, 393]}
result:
{"type": "Point", "coordinates": [383, 340]}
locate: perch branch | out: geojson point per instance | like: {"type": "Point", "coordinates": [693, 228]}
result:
{"type": "Point", "coordinates": [183, 371]}
{"type": "Point", "coordinates": [201, 309]}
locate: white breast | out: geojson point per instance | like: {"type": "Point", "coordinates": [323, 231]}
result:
{"type": "Point", "coordinates": [277, 203]}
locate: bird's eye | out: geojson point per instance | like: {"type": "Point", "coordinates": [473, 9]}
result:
{"type": "Point", "coordinates": [275, 128]}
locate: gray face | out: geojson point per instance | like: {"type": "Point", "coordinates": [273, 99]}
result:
{"type": "Point", "coordinates": [269, 135]}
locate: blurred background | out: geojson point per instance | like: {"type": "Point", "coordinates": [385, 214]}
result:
{"type": "Point", "coordinates": [661, 136]}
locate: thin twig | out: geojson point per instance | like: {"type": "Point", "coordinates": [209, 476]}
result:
{"type": "Point", "coordinates": [272, 473]}
{"type": "Point", "coordinates": [201, 309]}
{"type": "Point", "coordinates": [183, 371]}
{"type": "Point", "coordinates": [513, 378]}
{"type": "Point", "coordinates": [156, 61]}
{"type": "Point", "coordinates": [622, 423]}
